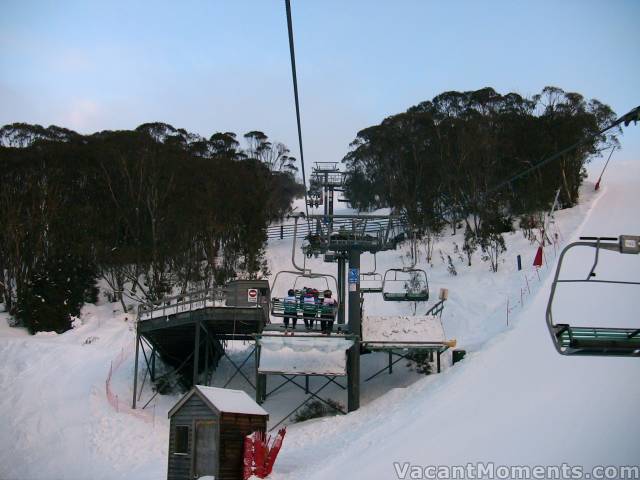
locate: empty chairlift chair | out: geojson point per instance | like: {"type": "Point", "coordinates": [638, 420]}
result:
{"type": "Point", "coordinates": [371, 282]}
{"type": "Point", "coordinates": [603, 341]}
{"type": "Point", "coordinates": [405, 285]}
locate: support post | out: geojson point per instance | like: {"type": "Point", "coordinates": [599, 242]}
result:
{"type": "Point", "coordinates": [355, 327]}
{"type": "Point", "coordinates": [331, 195]}
{"type": "Point", "coordinates": [341, 290]}
{"type": "Point", "coordinates": [196, 352]}
{"type": "Point", "coordinates": [390, 362]}
{"type": "Point", "coordinates": [261, 379]}
{"type": "Point", "coordinates": [438, 361]}
{"type": "Point", "coordinates": [153, 364]}
{"type": "Point", "coordinates": [135, 369]}
{"type": "Point", "coordinates": [206, 358]}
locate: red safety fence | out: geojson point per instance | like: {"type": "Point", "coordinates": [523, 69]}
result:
{"type": "Point", "coordinates": [119, 405]}
{"type": "Point", "coordinates": [533, 277]}
{"type": "Point", "coordinates": [260, 453]}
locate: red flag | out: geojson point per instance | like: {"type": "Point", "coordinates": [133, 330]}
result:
{"type": "Point", "coordinates": [274, 449]}
{"type": "Point", "coordinates": [259, 456]}
{"type": "Point", "coordinates": [247, 470]}
{"type": "Point", "coordinates": [537, 262]}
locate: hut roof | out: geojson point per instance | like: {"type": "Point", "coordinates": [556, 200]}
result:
{"type": "Point", "coordinates": [223, 400]}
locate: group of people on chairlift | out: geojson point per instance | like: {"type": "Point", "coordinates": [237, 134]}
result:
{"type": "Point", "coordinates": [310, 302]}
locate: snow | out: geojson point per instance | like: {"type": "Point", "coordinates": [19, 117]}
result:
{"type": "Point", "coordinates": [231, 401]}
{"type": "Point", "coordinates": [304, 355]}
{"type": "Point", "coordinates": [398, 329]}
{"type": "Point", "coordinates": [512, 400]}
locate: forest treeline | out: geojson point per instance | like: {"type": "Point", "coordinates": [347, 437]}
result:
{"type": "Point", "coordinates": [445, 161]}
{"type": "Point", "coordinates": [149, 211]}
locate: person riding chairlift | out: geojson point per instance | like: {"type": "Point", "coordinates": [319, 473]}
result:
{"type": "Point", "coordinates": [290, 311]}
{"type": "Point", "coordinates": [309, 308]}
{"type": "Point", "coordinates": [328, 312]}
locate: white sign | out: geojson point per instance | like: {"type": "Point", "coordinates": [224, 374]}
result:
{"type": "Point", "coordinates": [252, 295]}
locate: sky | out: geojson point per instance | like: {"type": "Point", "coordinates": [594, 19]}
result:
{"type": "Point", "coordinates": [210, 66]}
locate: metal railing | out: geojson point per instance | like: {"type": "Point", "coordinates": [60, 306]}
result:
{"type": "Point", "coordinates": [186, 302]}
{"type": "Point", "coordinates": [371, 226]}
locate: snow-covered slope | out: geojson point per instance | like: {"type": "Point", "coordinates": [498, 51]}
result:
{"type": "Point", "coordinates": [512, 400]}
{"type": "Point", "coordinates": [56, 420]}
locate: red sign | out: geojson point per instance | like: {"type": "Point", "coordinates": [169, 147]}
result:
{"type": "Point", "coordinates": [252, 295]}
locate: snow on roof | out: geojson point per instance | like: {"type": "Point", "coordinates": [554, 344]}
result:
{"type": "Point", "coordinates": [398, 329]}
{"type": "Point", "coordinates": [231, 401]}
{"type": "Point", "coordinates": [304, 355]}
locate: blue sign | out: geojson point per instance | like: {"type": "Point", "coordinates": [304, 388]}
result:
{"type": "Point", "coordinates": [354, 275]}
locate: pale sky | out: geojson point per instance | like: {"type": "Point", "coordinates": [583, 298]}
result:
{"type": "Point", "coordinates": [210, 66]}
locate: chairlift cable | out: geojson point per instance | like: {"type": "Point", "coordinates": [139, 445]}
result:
{"type": "Point", "coordinates": [633, 115]}
{"type": "Point", "coordinates": [297, 102]}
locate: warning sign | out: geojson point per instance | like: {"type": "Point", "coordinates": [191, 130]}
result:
{"type": "Point", "coordinates": [252, 295]}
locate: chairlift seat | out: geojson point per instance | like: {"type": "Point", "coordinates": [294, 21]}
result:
{"type": "Point", "coordinates": [370, 289]}
{"type": "Point", "coordinates": [327, 309]}
{"type": "Point", "coordinates": [598, 340]}
{"type": "Point", "coordinates": [278, 309]}
{"type": "Point", "coordinates": [421, 296]}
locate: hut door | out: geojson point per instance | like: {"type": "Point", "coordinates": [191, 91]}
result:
{"type": "Point", "coordinates": [206, 449]}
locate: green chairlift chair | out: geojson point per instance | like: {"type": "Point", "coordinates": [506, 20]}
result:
{"type": "Point", "coordinates": [598, 341]}
{"type": "Point", "coordinates": [278, 307]}
{"type": "Point", "coordinates": [414, 285]}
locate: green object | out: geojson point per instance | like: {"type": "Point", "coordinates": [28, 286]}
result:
{"type": "Point", "coordinates": [309, 308]}
{"type": "Point", "coordinates": [421, 296]}
{"type": "Point", "coordinates": [458, 355]}
{"type": "Point", "coordinates": [290, 307]}
{"type": "Point", "coordinates": [327, 309]}
{"type": "Point", "coordinates": [596, 340]}
{"type": "Point", "coordinates": [604, 341]}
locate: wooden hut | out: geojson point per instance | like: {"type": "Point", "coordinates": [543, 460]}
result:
{"type": "Point", "coordinates": [207, 430]}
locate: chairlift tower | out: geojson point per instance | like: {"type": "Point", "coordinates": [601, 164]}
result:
{"type": "Point", "coordinates": [326, 179]}
{"type": "Point", "coordinates": [342, 239]}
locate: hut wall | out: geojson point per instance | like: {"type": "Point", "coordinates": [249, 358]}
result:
{"type": "Point", "coordinates": [179, 465]}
